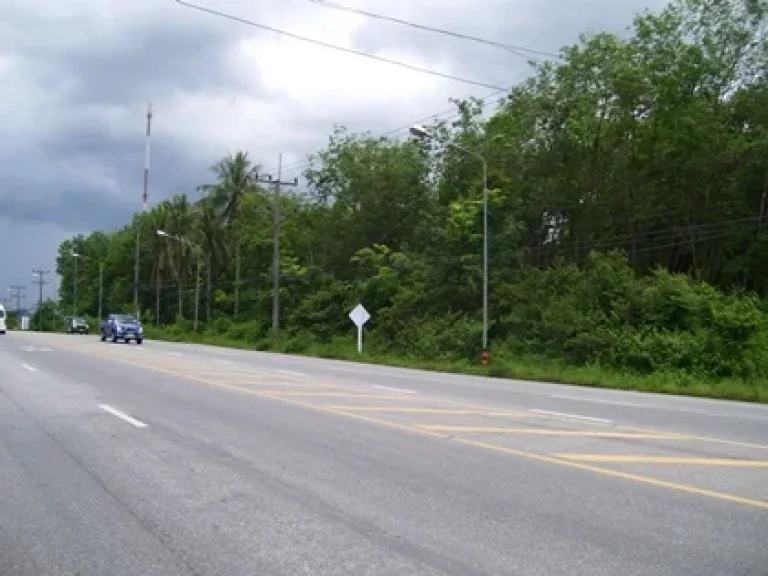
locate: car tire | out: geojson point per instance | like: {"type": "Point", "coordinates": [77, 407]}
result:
{"type": "Point", "coordinates": [114, 339]}
{"type": "Point", "coordinates": [103, 337]}
{"type": "Point", "coordinates": [139, 340]}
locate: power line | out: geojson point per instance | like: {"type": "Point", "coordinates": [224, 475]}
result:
{"type": "Point", "coordinates": [517, 50]}
{"type": "Point", "coordinates": [730, 226]}
{"type": "Point", "coordinates": [338, 48]}
{"type": "Point", "coordinates": [19, 296]}
{"type": "Point", "coordinates": [452, 113]}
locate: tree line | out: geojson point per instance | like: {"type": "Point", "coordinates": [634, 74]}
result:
{"type": "Point", "coordinates": [627, 196]}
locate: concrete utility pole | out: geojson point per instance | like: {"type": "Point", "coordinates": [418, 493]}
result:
{"type": "Point", "coordinates": [16, 293]}
{"type": "Point", "coordinates": [40, 283]}
{"type": "Point", "coordinates": [267, 179]}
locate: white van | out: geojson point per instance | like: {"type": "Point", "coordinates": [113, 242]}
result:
{"type": "Point", "coordinates": [2, 319]}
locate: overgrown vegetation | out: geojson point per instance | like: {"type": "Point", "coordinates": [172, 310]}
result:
{"type": "Point", "coordinates": [627, 192]}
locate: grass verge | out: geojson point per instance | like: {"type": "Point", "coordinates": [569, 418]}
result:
{"type": "Point", "coordinates": [503, 365]}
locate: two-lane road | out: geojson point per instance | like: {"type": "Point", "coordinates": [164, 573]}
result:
{"type": "Point", "coordinates": [180, 459]}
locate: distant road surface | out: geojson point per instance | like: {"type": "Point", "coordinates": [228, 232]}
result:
{"type": "Point", "coordinates": [171, 459]}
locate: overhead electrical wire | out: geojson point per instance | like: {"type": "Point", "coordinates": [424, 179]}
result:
{"type": "Point", "coordinates": [451, 112]}
{"type": "Point", "coordinates": [661, 243]}
{"type": "Point", "coordinates": [337, 48]}
{"type": "Point", "coordinates": [501, 45]}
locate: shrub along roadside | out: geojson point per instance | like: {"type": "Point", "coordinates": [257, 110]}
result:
{"type": "Point", "coordinates": [504, 364]}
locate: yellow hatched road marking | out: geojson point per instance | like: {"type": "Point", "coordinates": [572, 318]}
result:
{"type": "Point", "coordinates": [700, 438]}
{"type": "Point", "coordinates": [163, 364]}
{"type": "Point", "coordinates": [640, 459]}
{"type": "Point", "coordinates": [618, 474]}
{"type": "Point", "coordinates": [763, 504]}
{"type": "Point", "coordinates": [544, 432]}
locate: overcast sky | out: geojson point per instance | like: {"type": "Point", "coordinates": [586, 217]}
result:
{"type": "Point", "coordinates": [76, 77]}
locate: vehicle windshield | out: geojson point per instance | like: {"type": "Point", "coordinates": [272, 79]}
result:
{"type": "Point", "coordinates": [78, 320]}
{"type": "Point", "coordinates": [125, 319]}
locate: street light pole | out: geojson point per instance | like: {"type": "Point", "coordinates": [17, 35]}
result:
{"type": "Point", "coordinates": [101, 288]}
{"type": "Point", "coordinates": [136, 270]}
{"type": "Point", "coordinates": [421, 132]}
{"type": "Point", "coordinates": [486, 352]}
{"type": "Point", "coordinates": [76, 256]}
{"type": "Point", "coordinates": [197, 276]}
{"type": "Point", "coordinates": [197, 288]}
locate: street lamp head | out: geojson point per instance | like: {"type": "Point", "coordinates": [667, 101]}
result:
{"type": "Point", "coordinates": [419, 131]}
{"type": "Point", "coordinates": [162, 233]}
{"type": "Point", "coordinates": [75, 255]}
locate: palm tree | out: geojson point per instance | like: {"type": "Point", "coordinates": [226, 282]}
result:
{"type": "Point", "coordinates": [212, 243]}
{"type": "Point", "coordinates": [159, 216]}
{"type": "Point", "coordinates": [236, 177]}
{"type": "Point", "coordinates": [180, 220]}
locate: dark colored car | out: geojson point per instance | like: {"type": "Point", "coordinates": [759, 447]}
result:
{"type": "Point", "coordinates": [122, 327]}
{"type": "Point", "coordinates": [76, 325]}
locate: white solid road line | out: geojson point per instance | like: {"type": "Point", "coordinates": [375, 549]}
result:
{"type": "Point", "coordinates": [28, 367]}
{"type": "Point", "coordinates": [175, 354]}
{"type": "Point", "coordinates": [597, 401]}
{"type": "Point", "coordinates": [574, 416]}
{"type": "Point", "coordinates": [290, 372]}
{"type": "Point", "coordinates": [122, 416]}
{"type": "Point", "coordinates": [390, 389]}
{"type": "Point", "coordinates": [227, 362]}
{"type": "Point", "coordinates": [668, 408]}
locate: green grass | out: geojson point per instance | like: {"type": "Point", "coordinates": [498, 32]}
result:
{"type": "Point", "coordinates": [503, 365]}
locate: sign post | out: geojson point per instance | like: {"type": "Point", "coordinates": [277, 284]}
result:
{"type": "Point", "coordinates": [359, 315]}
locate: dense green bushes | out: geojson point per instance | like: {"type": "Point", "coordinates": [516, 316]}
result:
{"type": "Point", "coordinates": [605, 313]}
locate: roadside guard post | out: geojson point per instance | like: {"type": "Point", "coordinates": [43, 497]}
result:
{"type": "Point", "coordinates": [485, 357]}
{"type": "Point", "coordinates": [359, 315]}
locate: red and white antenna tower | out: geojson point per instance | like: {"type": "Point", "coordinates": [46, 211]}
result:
{"type": "Point", "coordinates": [145, 194]}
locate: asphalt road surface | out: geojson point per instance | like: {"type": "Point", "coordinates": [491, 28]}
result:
{"type": "Point", "coordinates": [170, 459]}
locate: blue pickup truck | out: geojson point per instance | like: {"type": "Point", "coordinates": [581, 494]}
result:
{"type": "Point", "coordinates": [121, 327]}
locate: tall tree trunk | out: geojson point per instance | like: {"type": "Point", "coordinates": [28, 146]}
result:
{"type": "Point", "coordinates": [208, 292]}
{"type": "Point", "coordinates": [181, 298]}
{"type": "Point", "coordinates": [237, 276]}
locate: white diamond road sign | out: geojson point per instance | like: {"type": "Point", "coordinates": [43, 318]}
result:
{"type": "Point", "coordinates": [359, 315]}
